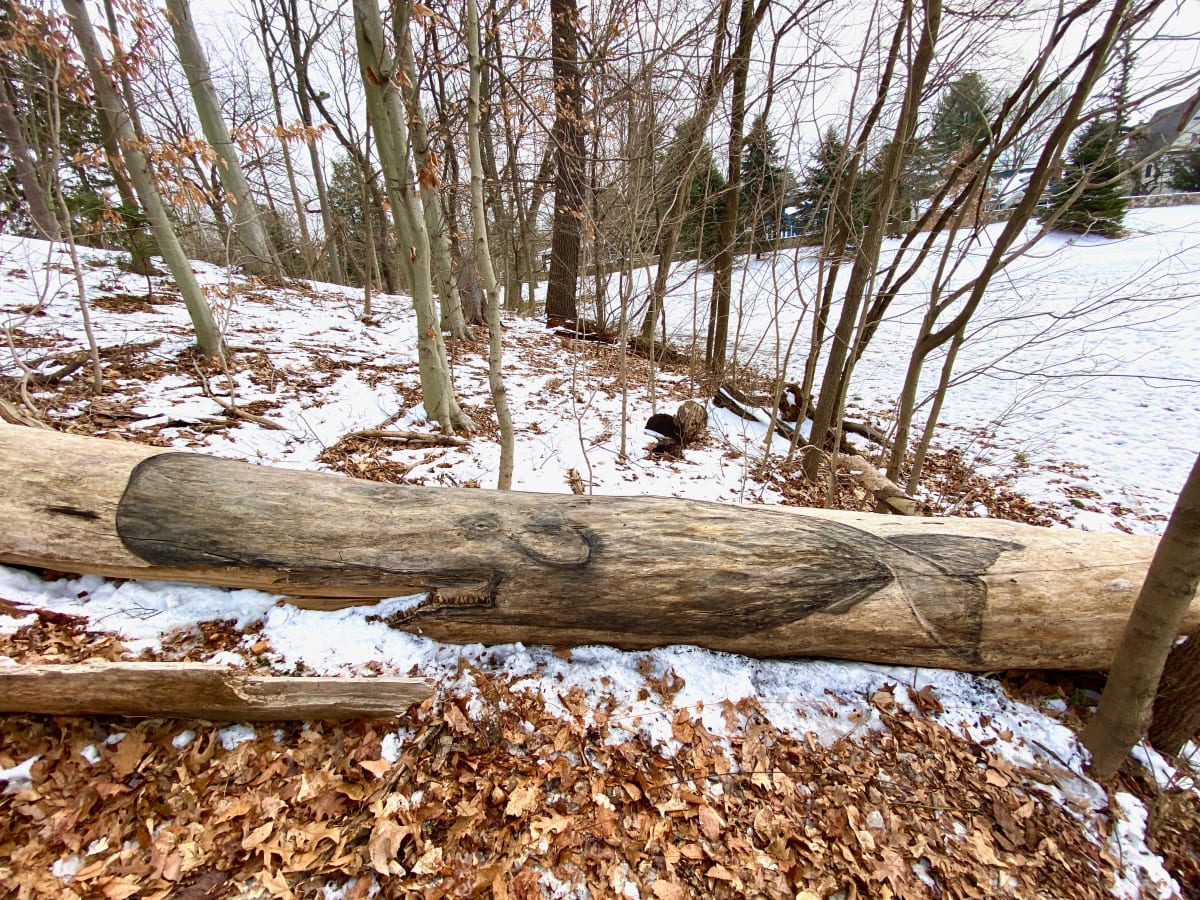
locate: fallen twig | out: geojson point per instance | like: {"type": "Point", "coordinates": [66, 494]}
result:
{"type": "Point", "coordinates": [410, 437]}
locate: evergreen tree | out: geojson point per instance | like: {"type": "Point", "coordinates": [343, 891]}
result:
{"type": "Point", "coordinates": [765, 183]}
{"type": "Point", "coordinates": [1185, 172]}
{"type": "Point", "coordinates": [1093, 173]}
{"type": "Point", "coordinates": [822, 178]}
{"type": "Point", "coordinates": [702, 216]}
{"type": "Point", "coordinates": [702, 221]}
{"type": "Point", "coordinates": [961, 120]}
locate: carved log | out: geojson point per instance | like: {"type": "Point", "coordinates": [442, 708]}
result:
{"type": "Point", "coordinates": [200, 691]}
{"type": "Point", "coordinates": [635, 572]}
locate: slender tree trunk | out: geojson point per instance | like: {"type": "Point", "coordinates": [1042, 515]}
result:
{"type": "Point", "coordinates": [1094, 59]}
{"type": "Point", "coordinates": [718, 335]}
{"type": "Point", "coordinates": [335, 271]}
{"type": "Point", "coordinates": [386, 110]}
{"type": "Point", "coordinates": [431, 196]}
{"type": "Point", "coordinates": [1124, 709]}
{"type": "Point", "coordinates": [828, 413]}
{"type": "Point", "coordinates": [372, 263]}
{"type": "Point", "coordinates": [483, 257]}
{"type": "Point", "coordinates": [569, 165]}
{"type": "Point", "coordinates": [306, 243]}
{"type": "Point", "coordinates": [109, 106]}
{"type": "Point", "coordinates": [22, 160]}
{"type": "Point", "coordinates": [259, 257]}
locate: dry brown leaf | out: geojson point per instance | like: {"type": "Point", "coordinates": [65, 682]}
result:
{"type": "Point", "coordinates": [383, 846]}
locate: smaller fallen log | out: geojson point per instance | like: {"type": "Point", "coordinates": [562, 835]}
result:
{"type": "Point", "coordinates": [883, 489]}
{"type": "Point", "coordinates": [416, 438]}
{"type": "Point", "coordinates": [200, 691]}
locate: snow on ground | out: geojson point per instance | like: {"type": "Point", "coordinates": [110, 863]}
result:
{"type": "Point", "coordinates": [305, 360]}
{"type": "Point", "coordinates": [1083, 356]}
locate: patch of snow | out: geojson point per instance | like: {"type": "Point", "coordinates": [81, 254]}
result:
{"type": "Point", "coordinates": [18, 778]}
{"type": "Point", "coordinates": [232, 735]}
{"type": "Point", "coordinates": [1142, 874]}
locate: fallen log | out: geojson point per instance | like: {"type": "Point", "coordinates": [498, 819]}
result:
{"type": "Point", "coordinates": [200, 691]}
{"type": "Point", "coordinates": [635, 572]}
{"type": "Point", "coordinates": [885, 491]}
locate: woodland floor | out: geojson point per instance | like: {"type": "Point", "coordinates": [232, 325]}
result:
{"type": "Point", "coordinates": [490, 792]}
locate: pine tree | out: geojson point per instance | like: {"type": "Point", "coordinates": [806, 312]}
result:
{"type": "Point", "coordinates": [1185, 172]}
{"type": "Point", "coordinates": [961, 119]}
{"type": "Point", "coordinates": [827, 168]}
{"type": "Point", "coordinates": [702, 217]}
{"type": "Point", "coordinates": [1089, 199]}
{"type": "Point", "coordinates": [765, 182]}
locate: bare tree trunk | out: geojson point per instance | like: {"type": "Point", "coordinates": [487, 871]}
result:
{"type": "Point", "coordinates": [300, 62]}
{"type": "Point", "coordinates": [271, 54]}
{"type": "Point", "coordinates": [834, 382]}
{"type": "Point", "coordinates": [109, 105]}
{"type": "Point", "coordinates": [1124, 708]}
{"type": "Point", "coordinates": [1093, 58]}
{"type": "Point", "coordinates": [248, 231]}
{"type": "Point", "coordinates": [569, 165]}
{"type": "Point", "coordinates": [22, 160]}
{"type": "Point", "coordinates": [483, 257]}
{"type": "Point", "coordinates": [1176, 716]}
{"type": "Point", "coordinates": [718, 331]}
{"type": "Point", "coordinates": [392, 141]}
{"type": "Point", "coordinates": [431, 196]}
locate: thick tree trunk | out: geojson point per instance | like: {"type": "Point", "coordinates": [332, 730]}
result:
{"type": "Point", "coordinates": [635, 572]}
{"type": "Point", "coordinates": [1176, 716]}
{"type": "Point", "coordinates": [569, 167]}
{"type": "Point", "coordinates": [258, 257]}
{"type": "Point", "coordinates": [1168, 594]}
{"type": "Point", "coordinates": [207, 337]}
{"type": "Point", "coordinates": [200, 691]}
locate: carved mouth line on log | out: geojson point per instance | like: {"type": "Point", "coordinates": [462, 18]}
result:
{"type": "Point", "coordinates": [74, 512]}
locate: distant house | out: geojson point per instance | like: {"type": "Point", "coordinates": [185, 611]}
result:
{"type": "Point", "coordinates": [1170, 133]}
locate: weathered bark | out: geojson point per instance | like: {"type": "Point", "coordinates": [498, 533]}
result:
{"type": "Point", "coordinates": [569, 165]}
{"type": "Point", "coordinates": [1162, 607]}
{"type": "Point", "coordinates": [258, 257]}
{"type": "Point", "coordinates": [109, 104]}
{"type": "Point", "coordinates": [379, 74]}
{"type": "Point", "coordinates": [1175, 719]}
{"type": "Point", "coordinates": [635, 572]}
{"type": "Point", "coordinates": [200, 691]}
{"type": "Point", "coordinates": [483, 257]}
{"type": "Point", "coordinates": [36, 194]}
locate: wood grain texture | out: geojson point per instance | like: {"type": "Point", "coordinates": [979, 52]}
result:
{"type": "Point", "coordinates": [635, 572]}
{"type": "Point", "coordinates": [200, 691]}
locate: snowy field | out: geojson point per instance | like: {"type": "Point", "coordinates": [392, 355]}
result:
{"type": "Point", "coordinates": [1116, 396]}
{"type": "Point", "coordinates": [1083, 354]}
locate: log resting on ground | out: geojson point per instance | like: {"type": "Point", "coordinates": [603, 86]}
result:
{"type": "Point", "coordinates": [200, 691]}
{"type": "Point", "coordinates": [634, 572]}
